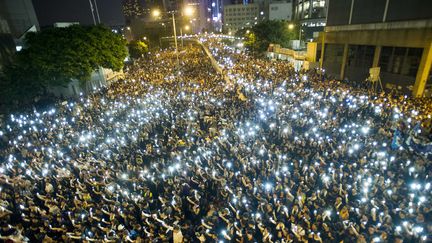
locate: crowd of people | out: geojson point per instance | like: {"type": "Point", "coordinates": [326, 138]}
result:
{"type": "Point", "coordinates": [175, 153]}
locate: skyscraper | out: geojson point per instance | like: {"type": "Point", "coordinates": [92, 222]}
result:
{"type": "Point", "coordinates": [311, 15]}
{"type": "Point", "coordinates": [132, 9]}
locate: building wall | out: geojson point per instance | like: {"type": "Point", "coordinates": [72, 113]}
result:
{"type": "Point", "coordinates": [4, 26]}
{"type": "Point", "coordinates": [280, 11]}
{"type": "Point", "coordinates": [395, 35]}
{"type": "Point", "coordinates": [338, 12]}
{"type": "Point", "coordinates": [411, 10]}
{"type": "Point", "coordinates": [367, 11]}
{"type": "Point", "coordinates": [99, 79]}
{"type": "Point", "coordinates": [374, 11]}
{"type": "Point", "coordinates": [240, 16]}
{"type": "Point", "coordinates": [7, 49]}
{"type": "Point", "coordinates": [400, 49]}
{"type": "Point", "coordinates": [20, 16]}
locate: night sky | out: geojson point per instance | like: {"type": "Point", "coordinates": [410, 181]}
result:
{"type": "Point", "coordinates": [52, 11]}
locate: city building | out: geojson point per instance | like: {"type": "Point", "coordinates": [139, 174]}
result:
{"type": "Point", "coordinates": [311, 14]}
{"type": "Point", "coordinates": [19, 15]}
{"type": "Point", "coordinates": [85, 12]}
{"type": "Point", "coordinates": [376, 33]}
{"type": "Point", "coordinates": [256, 11]}
{"type": "Point", "coordinates": [280, 10]}
{"type": "Point", "coordinates": [240, 1]}
{"type": "Point", "coordinates": [239, 16]}
{"type": "Point", "coordinates": [146, 25]}
{"type": "Point", "coordinates": [7, 45]}
{"type": "Point", "coordinates": [198, 21]}
{"type": "Point", "coordinates": [215, 8]}
{"type": "Point", "coordinates": [134, 9]}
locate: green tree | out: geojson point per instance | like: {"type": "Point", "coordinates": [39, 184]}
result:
{"type": "Point", "coordinates": [137, 48]}
{"type": "Point", "coordinates": [268, 32]}
{"type": "Point", "coordinates": [54, 57]}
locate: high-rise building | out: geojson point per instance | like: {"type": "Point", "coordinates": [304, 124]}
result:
{"type": "Point", "coordinates": [280, 10]}
{"type": "Point", "coordinates": [198, 20]}
{"type": "Point", "coordinates": [240, 16]}
{"type": "Point", "coordinates": [311, 14]}
{"type": "Point", "coordinates": [132, 9]}
{"type": "Point", "coordinates": [395, 35]}
{"type": "Point", "coordinates": [19, 15]}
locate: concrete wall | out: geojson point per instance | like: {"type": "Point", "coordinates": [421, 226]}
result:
{"type": "Point", "coordinates": [409, 77]}
{"type": "Point", "coordinates": [375, 11]}
{"type": "Point", "coordinates": [394, 37]}
{"type": "Point", "coordinates": [99, 79]}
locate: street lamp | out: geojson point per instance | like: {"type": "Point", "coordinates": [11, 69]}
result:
{"type": "Point", "coordinates": [156, 13]}
{"type": "Point", "coordinates": [188, 11]}
{"type": "Point", "coordinates": [291, 27]}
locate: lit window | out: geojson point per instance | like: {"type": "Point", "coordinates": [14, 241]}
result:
{"type": "Point", "coordinates": [322, 3]}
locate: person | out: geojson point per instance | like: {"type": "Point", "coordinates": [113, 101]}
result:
{"type": "Point", "coordinates": [165, 156]}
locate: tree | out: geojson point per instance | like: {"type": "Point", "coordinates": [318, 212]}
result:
{"type": "Point", "coordinates": [54, 57]}
{"type": "Point", "coordinates": [268, 32]}
{"type": "Point", "coordinates": [137, 48]}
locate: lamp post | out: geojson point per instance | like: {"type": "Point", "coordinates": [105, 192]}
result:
{"type": "Point", "coordinates": [92, 11]}
{"type": "Point", "coordinates": [181, 36]}
{"type": "Point", "coordinates": [188, 11]}
{"type": "Point", "coordinates": [300, 30]}
{"type": "Point", "coordinates": [97, 11]}
{"type": "Point", "coordinates": [291, 26]}
{"type": "Point", "coordinates": [175, 38]}
{"type": "Point", "coordinates": [186, 28]}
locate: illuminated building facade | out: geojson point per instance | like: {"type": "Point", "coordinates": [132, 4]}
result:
{"type": "Point", "coordinates": [361, 34]}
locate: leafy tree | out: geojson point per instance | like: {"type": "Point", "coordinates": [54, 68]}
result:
{"type": "Point", "coordinates": [268, 32]}
{"type": "Point", "coordinates": [53, 57]}
{"type": "Point", "coordinates": [242, 32]}
{"type": "Point", "coordinates": [137, 48]}
{"type": "Point", "coordinates": [250, 41]}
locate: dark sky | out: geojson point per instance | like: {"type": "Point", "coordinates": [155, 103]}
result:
{"type": "Point", "coordinates": [52, 11]}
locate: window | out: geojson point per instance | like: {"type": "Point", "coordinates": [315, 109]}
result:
{"type": "Point", "coordinates": [306, 5]}
{"type": "Point", "coordinates": [400, 60]}
{"type": "Point", "coordinates": [360, 56]}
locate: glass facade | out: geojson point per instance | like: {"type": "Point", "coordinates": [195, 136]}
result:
{"type": "Point", "coordinates": [400, 60]}
{"type": "Point", "coordinates": [312, 16]}
{"type": "Point", "coordinates": [310, 9]}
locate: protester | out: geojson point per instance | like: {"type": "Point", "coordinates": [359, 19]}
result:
{"type": "Point", "coordinates": [174, 153]}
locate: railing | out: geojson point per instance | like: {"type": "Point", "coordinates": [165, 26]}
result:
{"type": "Point", "coordinates": [298, 55]}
